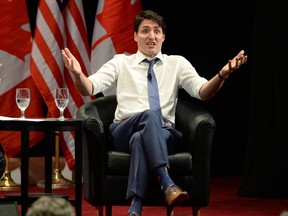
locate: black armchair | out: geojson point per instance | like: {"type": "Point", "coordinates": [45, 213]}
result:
{"type": "Point", "coordinates": [105, 172]}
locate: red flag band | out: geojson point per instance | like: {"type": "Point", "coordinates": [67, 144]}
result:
{"type": "Point", "coordinates": [113, 31]}
{"type": "Point", "coordinates": [15, 55]}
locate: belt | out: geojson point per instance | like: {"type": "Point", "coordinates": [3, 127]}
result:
{"type": "Point", "coordinates": [168, 123]}
{"type": "Point", "coordinates": [165, 122]}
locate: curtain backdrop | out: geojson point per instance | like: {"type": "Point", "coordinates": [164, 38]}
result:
{"type": "Point", "coordinates": [266, 173]}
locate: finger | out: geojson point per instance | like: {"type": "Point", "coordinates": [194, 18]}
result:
{"type": "Point", "coordinates": [66, 50]}
{"type": "Point", "coordinates": [64, 55]}
{"type": "Point", "coordinates": [72, 65]}
{"type": "Point", "coordinates": [241, 53]}
{"type": "Point", "coordinates": [239, 56]}
{"type": "Point", "coordinates": [238, 62]}
{"type": "Point", "coordinates": [68, 53]}
{"type": "Point", "coordinates": [230, 66]}
{"type": "Point", "coordinates": [245, 59]}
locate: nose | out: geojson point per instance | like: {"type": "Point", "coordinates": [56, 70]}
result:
{"type": "Point", "coordinates": [151, 34]}
{"type": "Point", "coordinates": [151, 38]}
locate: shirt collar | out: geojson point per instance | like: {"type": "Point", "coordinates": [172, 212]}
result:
{"type": "Point", "coordinates": [140, 56]}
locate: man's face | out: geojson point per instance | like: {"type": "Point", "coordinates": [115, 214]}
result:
{"type": "Point", "coordinates": [149, 38]}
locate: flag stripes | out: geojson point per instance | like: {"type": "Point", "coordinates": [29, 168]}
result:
{"type": "Point", "coordinates": [47, 44]}
{"type": "Point", "coordinates": [47, 68]}
{"type": "Point", "coordinates": [56, 29]}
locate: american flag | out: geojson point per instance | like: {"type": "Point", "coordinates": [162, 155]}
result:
{"type": "Point", "coordinates": [58, 25]}
{"type": "Point", "coordinates": [77, 42]}
{"type": "Point", "coordinates": [15, 55]}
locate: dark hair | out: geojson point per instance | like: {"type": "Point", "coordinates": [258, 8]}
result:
{"type": "Point", "coordinates": [51, 206]}
{"type": "Point", "coordinates": [150, 15]}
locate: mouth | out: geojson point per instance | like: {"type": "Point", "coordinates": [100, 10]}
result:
{"type": "Point", "coordinates": [151, 44]}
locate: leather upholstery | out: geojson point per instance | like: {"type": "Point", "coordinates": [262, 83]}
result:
{"type": "Point", "coordinates": [105, 172]}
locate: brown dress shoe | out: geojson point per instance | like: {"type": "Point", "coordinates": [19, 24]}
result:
{"type": "Point", "coordinates": [134, 214]}
{"type": "Point", "coordinates": [175, 196]}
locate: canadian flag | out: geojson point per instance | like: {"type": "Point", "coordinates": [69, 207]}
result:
{"type": "Point", "coordinates": [15, 55]}
{"type": "Point", "coordinates": [113, 32]}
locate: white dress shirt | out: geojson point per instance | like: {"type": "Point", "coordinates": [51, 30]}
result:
{"type": "Point", "coordinates": [129, 74]}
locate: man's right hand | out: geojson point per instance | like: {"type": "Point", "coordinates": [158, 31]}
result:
{"type": "Point", "coordinates": [70, 62]}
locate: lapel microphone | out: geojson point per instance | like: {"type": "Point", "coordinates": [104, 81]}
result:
{"type": "Point", "coordinates": [149, 76]}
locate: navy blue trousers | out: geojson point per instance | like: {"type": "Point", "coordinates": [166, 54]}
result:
{"type": "Point", "coordinates": [149, 143]}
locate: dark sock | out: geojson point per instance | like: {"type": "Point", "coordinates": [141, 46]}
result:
{"type": "Point", "coordinates": [136, 205]}
{"type": "Point", "coordinates": [163, 178]}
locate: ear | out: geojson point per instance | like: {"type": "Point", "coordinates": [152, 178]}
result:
{"type": "Point", "coordinates": [135, 36]}
{"type": "Point", "coordinates": [163, 39]}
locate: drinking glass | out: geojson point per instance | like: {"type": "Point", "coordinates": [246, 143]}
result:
{"type": "Point", "coordinates": [22, 99]}
{"type": "Point", "coordinates": [61, 100]}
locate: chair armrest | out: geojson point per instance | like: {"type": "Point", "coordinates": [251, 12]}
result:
{"type": "Point", "coordinates": [100, 109]}
{"type": "Point", "coordinates": [198, 128]}
{"type": "Point", "coordinates": [195, 123]}
{"type": "Point", "coordinates": [97, 115]}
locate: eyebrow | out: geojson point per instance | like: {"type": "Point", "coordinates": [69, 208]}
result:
{"type": "Point", "coordinates": [153, 27]}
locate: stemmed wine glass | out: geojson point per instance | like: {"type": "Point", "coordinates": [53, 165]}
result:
{"type": "Point", "coordinates": [22, 99]}
{"type": "Point", "coordinates": [61, 100]}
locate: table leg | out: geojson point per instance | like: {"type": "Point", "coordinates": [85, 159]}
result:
{"type": "Point", "coordinates": [24, 170]}
{"type": "Point", "coordinates": [78, 172]}
{"type": "Point", "coordinates": [49, 142]}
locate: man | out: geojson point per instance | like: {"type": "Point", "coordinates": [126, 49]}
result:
{"type": "Point", "coordinates": [147, 133]}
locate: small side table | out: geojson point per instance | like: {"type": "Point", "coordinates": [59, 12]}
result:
{"type": "Point", "coordinates": [49, 126]}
